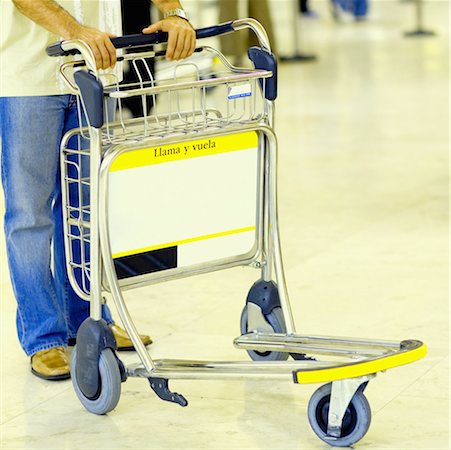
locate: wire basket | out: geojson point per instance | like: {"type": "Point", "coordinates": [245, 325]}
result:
{"type": "Point", "coordinates": [187, 99]}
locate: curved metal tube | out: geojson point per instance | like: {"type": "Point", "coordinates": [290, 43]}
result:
{"type": "Point", "coordinates": [257, 28]}
{"type": "Point", "coordinates": [87, 56]}
{"type": "Point", "coordinates": [84, 49]}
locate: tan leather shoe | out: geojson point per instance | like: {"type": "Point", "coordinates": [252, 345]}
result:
{"type": "Point", "coordinates": [51, 364]}
{"type": "Point", "coordinates": [124, 343]}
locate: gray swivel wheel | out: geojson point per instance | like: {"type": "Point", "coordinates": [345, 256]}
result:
{"type": "Point", "coordinates": [110, 383]}
{"type": "Point", "coordinates": [356, 421]}
{"type": "Point", "coordinates": [277, 322]}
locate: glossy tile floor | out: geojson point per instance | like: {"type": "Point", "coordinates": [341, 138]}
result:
{"type": "Point", "coordinates": [364, 221]}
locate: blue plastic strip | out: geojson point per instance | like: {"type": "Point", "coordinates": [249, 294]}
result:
{"type": "Point", "coordinates": [265, 61]}
{"type": "Point", "coordinates": [92, 93]}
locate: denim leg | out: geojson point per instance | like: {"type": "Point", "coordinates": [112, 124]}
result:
{"type": "Point", "coordinates": [76, 309]}
{"type": "Point", "coordinates": [31, 130]}
{"type": "Point", "coordinates": [360, 8]}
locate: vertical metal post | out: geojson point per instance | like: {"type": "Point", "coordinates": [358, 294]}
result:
{"type": "Point", "coordinates": [419, 31]}
{"type": "Point", "coordinates": [95, 259]}
{"type": "Point", "coordinates": [268, 259]}
{"type": "Point", "coordinates": [295, 24]}
{"type": "Point", "coordinates": [297, 56]}
{"type": "Point", "coordinates": [267, 268]}
{"type": "Point", "coordinates": [276, 249]}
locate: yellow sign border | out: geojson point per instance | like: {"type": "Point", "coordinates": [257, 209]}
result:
{"type": "Point", "coordinates": [182, 241]}
{"type": "Point", "coordinates": [185, 150]}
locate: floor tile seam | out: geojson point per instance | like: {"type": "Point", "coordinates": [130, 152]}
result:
{"type": "Point", "coordinates": [402, 392]}
{"type": "Point", "coordinates": [37, 404]}
{"type": "Point", "coordinates": [199, 317]}
{"type": "Point", "coordinates": [423, 397]}
{"type": "Point", "coordinates": [210, 309]}
{"type": "Point", "coordinates": [197, 320]}
{"type": "Point", "coordinates": [163, 337]}
{"type": "Point", "coordinates": [361, 230]}
{"type": "Point", "coordinates": [433, 366]}
{"type": "Point", "coordinates": [257, 400]}
{"type": "Point", "coordinates": [446, 354]}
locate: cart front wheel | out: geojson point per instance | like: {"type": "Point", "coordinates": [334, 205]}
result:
{"type": "Point", "coordinates": [110, 383]}
{"type": "Point", "coordinates": [277, 322]}
{"type": "Point", "coordinates": [356, 420]}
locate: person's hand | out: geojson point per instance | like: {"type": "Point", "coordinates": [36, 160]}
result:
{"type": "Point", "coordinates": [181, 39]}
{"type": "Point", "coordinates": [100, 44]}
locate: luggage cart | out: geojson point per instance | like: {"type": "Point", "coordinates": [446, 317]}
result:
{"type": "Point", "coordinates": [109, 167]}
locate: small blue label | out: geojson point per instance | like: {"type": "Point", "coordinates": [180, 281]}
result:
{"type": "Point", "coordinates": [245, 94]}
{"type": "Point", "coordinates": [239, 91]}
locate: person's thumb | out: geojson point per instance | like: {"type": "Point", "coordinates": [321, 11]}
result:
{"type": "Point", "coordinates": [153, 28]}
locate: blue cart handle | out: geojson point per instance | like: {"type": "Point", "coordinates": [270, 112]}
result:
{"type": "Point", "coordinates": [137, 40]}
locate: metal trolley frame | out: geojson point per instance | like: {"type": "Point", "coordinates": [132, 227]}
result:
{"type": "Point", "coordinates": [338, 411]}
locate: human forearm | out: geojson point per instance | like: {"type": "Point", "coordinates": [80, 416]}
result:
{"type": "Point", "coordinates": [56, 19]}
{"type": "Point", "coordinates": [166, 5]}
{"type": "Point", "coordinates": [50, 16]}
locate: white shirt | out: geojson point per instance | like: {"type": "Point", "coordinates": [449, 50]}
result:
{"type": "Point", "coordinates": [25, 68]}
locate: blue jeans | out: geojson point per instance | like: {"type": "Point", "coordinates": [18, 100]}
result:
{"type": "Point", "coordinates": [48, 310]}
{"type": "Point", "coordinates": [359, 8]}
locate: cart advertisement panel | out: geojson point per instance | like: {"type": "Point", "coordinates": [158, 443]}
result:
{"type": "Point", "coordinates": [186, 203]}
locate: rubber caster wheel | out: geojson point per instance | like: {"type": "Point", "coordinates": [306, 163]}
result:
{"type": "Point", "coordinates": [110, 383]}
{"type": "Point", "coordinates": [356, 421]}
{"type": "Point", "coordinates": [277, 322]}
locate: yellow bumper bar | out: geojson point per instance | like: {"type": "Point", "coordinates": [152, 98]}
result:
{"type": "Point", "coordinates": [410, 351]}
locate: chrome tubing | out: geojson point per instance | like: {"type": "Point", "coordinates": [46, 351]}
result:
{"type": "Point", "coordinates": [251, 74]}
{"type": "Point", "coordinates": [348, 348]}
{"type": "Point", "coordinates": [276, 249]}
{"type": "Point", "coordinates": [220, 370]}
{"type": "Point", "coordinates": [257, 28]}
{"type": "Point", "coordinates": [86, 54]}
{"type": "Point", "coordinates": [96, 259]}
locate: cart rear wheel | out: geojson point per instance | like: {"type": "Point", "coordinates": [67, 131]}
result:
{"type": "Point", "coordinates": [277, 322]}
{"type": "Point", "coordinates": [110, 383]}
{"type": "Point", "coordinates": [356, 420]}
